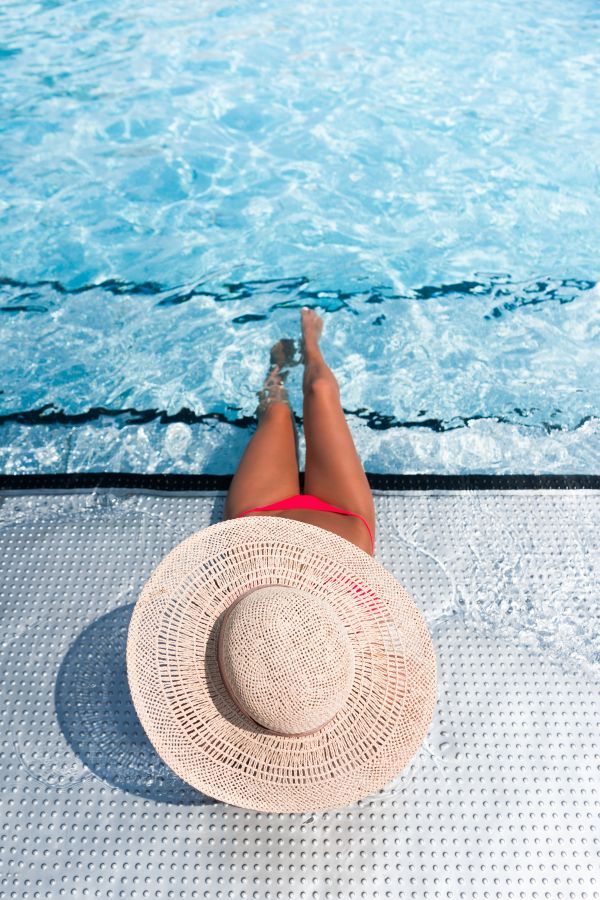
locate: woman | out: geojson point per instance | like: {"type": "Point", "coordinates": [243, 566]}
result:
{"type": "Point", "coordinates": [337, 494]}
{"type": "Point", "coordinates": [275, 664]}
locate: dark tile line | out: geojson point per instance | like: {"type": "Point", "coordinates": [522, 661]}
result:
{"type": "Point", "coordinates": [49, 414]}
{"type": "Point", "coordinates": [508, 294]}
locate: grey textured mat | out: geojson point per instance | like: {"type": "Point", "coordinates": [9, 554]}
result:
{"type": "Point", "coordinates": [502, 801]}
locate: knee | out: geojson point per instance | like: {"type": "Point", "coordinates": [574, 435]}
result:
{"type": "Point", "coordinates": [322, 386]}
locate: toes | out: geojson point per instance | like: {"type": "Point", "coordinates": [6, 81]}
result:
{"type": "Point", "coordinates": [312, 323]}
{"type": "Point", "coordinates": [276, 354]}
{"type": "Point", "coordinates": [288, 346]}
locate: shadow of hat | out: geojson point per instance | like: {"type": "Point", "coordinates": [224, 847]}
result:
{"type": "Point", "coordinates": [98, 719]}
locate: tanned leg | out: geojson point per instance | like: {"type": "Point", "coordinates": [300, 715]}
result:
{"type": "Point", "coordinates": [333, 469]}
{"type": "Point", "coordinates": [268, 469]}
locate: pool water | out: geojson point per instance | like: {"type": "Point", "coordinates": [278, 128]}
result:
{"type": "Point", "coordinates": [178, 179]}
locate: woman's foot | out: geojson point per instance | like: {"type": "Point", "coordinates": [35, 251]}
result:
{"type": "Point", "coordinates": [312, 326]}
{"type": "Point", "coordinates": [274, 390]}
{"type": "Point", "coordinates": [283, 354]}
{"type": "Point", "coordinates": [316, 369]}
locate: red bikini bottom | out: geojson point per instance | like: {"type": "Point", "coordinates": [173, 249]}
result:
{"type": "Point", "coordinates": [308, 501]}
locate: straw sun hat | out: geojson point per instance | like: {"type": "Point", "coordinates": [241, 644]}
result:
{"type": "Point", "coordinates": [279, 667]}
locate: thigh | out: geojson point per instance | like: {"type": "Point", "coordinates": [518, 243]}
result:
{"type": "Point", "coordinates": [333, 470]}
{"type": "Point", "coordinates": [268, 469]}
{"type": "Point", "coordinates": [348, 527]}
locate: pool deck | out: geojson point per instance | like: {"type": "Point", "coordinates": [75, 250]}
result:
{"type": "Point", "coordinates": [502, 801]}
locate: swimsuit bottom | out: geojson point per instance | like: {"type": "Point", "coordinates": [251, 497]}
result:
{"type": "Point", "coordinates": [308, 501]}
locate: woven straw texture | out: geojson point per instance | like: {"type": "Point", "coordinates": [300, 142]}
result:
{"type": "Point", "coordinates": [286, 659]}
{"type": "Point", "coordinates": [195, 724]}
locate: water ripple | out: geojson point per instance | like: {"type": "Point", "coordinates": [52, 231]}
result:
{"type": "Point", "coordinates": [172, 366]}
{"type": "Point", "coordinates": [178, 179]}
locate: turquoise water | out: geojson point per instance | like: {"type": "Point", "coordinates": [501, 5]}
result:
{"type": "Point", "coordinates": [178, 179]}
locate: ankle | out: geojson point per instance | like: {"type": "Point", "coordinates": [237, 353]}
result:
{"type": "Point", "coordinates": [312, 357]}
{"type": "Point", "coordinates": [272, 408]}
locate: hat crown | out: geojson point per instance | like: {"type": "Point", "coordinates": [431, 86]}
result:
{"type": "Point", "coordinates": [286, 659]}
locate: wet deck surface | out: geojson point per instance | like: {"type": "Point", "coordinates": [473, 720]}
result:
{"type": "Point", "coordinates": [503, 800]}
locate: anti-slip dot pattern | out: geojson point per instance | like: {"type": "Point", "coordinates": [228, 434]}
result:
{"type": "Point", "coordinates": [502, 801]}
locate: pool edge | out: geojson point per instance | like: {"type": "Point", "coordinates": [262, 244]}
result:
{"type": "Point", "coordinates": [185, 483]}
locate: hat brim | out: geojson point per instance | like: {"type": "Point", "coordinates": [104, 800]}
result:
{"type": "Point", "coordinates": [188, 714]}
